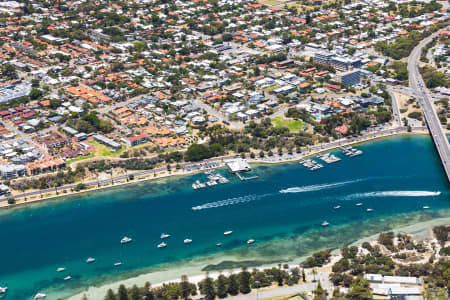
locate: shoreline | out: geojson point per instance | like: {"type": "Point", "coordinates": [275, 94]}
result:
{"type": "Point", "coordinates": [194, 270]}
{"type": "Point", "coordinates": [20, 200]}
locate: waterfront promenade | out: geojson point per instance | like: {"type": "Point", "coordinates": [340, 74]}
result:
{"type": "Point", "coordinates": [434, 125]}
{"type": "Point", "coordinates": [192, 167]}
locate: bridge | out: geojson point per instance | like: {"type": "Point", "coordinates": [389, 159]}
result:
{"type": "Point", "coordinates": [434, 125]}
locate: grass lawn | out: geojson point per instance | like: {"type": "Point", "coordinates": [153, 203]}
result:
{"type": "Point", "coordinates": [301, 7]}
{"type": "Point", "coordinates": [271, 88]}
{"type": "Point", "coordinates": [70, 161]}
{"type": "Point", "coordinates": [292, 125]}
{"type": "Point", "coordinates": [271, 2]}
{"type": "Point", "coordinates": [102, 150]}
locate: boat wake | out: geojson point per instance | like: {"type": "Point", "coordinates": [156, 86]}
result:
{"type": "Point", "coordinates": [396, 194]}
{"type": "Point", "coordinates": [231, 201]}
{"type": "Point", "coordinates": [318, 187]}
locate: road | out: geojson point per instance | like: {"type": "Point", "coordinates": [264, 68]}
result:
{"type": "Point", "coordinates": [431, 117]}
{"type": "Point", "coordinates": [395, 108]}
{"type": "Point", "coordinates": [217, 160]}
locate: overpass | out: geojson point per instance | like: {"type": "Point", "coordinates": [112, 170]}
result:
{"type": "Point", "coordinates": [434, 125]}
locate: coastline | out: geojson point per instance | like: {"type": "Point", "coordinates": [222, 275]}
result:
{"type": "Point", "coordinates": [20, 200]}
{"type": "Point", "coordinates": [194, 268]}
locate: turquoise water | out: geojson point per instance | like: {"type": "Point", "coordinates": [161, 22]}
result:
{"type": "Point", "coordinates": [396, 177]}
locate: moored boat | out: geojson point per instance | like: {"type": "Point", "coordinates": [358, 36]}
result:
{"type": "Point", "coordinates": [164, 235]}
{"type": "Point", "coordinates": [162, 245]}
{"type": "Point", "coordinates": [125, 240]}
{"type": "Point", "coordinates": [325, 224]}
{"type": "Point", "coordinates": [39, 296]}
{"type": "Point", "coordinates": [228, 232]}
{"type": "Point", "coordinates": [60, 269]}
{"type": "Point", "coordinates": [187, 241]}
{"type": "Point", "coordinates": [90, 260]}
{"type": "Point", "coordinates": [250, 241]}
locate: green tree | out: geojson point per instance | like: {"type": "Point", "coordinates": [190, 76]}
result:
{"type": "Point", "coordinates": [221, 286]}
{"type": "Point", "coordinates": [123, 293]}
{"type": "Point", "coordinates": [110, 295]}
{"type": "Point", "coordinates": [244, 281]}
{"type": "Point", "coordinates": [207, 288]}
{"type": "Point", "coordinates": [35, 94]}
{"type": "Point", "coordinates": [135, 293]}
{"type": "Point", "coordinates": [359, 290]}
{"type": "Point", "coordinates": [233, 285]}
{"type": "Point", "coordinates": [185, 287]}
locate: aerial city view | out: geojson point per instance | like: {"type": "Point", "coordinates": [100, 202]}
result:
{"type": "Point", "coordinates": [211, 149]}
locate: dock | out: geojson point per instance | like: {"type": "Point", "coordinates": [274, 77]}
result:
{"type": "Point", "coordinates": [246, 178]}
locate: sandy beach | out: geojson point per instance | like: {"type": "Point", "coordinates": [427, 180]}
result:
{"type": "Point", "coordinates": [193, 268]}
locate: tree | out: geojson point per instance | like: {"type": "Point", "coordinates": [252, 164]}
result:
{"type": "Point", "coordinates": [359, 290]}
{"type": "Point", "coordinates": [207, 288]}
{"type": "Point", "coordinates": [320, 293]}
{"type": "Point", "coordinates": [135, 293]}
{"type": "Point", "coordinates": [221, 286]}
{"type": "Point", "coordinates": [233, 285]}
{"type": "Point", "coordinates": [123, 293]}
{"type": "Point", "coordinates": [148, 293]}
{"type": "Point", "coordinates": [110, 295]}
{"type": "Point", "coordinates": [244, 281]}
{"type": "Point", "coordinates": [185, 287]}
{"type": "Point", "coordinates": [35, 94]}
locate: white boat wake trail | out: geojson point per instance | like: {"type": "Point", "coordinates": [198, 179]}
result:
{"type": "Point", "coordinates": [318, 187]}
{"type": "Point", "coordinates": [230, 201]}
{"type": "Point", "coordinates": [396, 194]}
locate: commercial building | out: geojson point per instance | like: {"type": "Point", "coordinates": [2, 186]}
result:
{"type": "Point", "coordinates": [323, 57]}
{"type": "Point", "coordinates": [350, 78]}
{"type": "Point", "coordinates": [136, 140]}
{"type": "Point", "coordinates": [11, 171]}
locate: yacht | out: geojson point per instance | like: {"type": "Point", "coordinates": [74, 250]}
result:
{"type": "Point", "coordinates": [67, 278]}
{"type": "Point", "coordinates": [369, 209]}
{"type": "Point", "coordinates": [219, 244]}
{"type": "Point", "coordinates": [60, 269]}
{"type": "Point", "coordinates": [162, 245]}
{"type": "Point", "coordinates": [228, 232]}
{"type": "Point", "coordinates": [187, 241]}
{"type": "Point", "coordinates": [3, 289]}
{"type": "Point", "coordinates": [164, 235]}
{"type": "Point", "coordinates": [358, 204]}
{"type": "Point", "coordinates": [325, 224]}
{"type": "Point", "coordinates": [337, 207]}
{"type": "Point", "coordinates": [39, 296]}
{"type": "Point", "coordinates": [426, 207]}
{"type": "Point", "coordinates": [125, 240]}
{"type": "Point", "coordinates": [90, 260]}
{"type": "Point", "coordinates": [250, 241]}
{"type": "Point", "coordinates": [117, 264]}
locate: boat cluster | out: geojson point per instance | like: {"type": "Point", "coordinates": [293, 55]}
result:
{"type": "Point", "coordinates": [188, 241]}
{"type": "Point", "coordinates": [329, 158]}
{"type": "Point", "coordinates": [351, 152]}
{"type": "Point", "coordinates": [325, 223]}
{"type": "Point", "coordinates": [312, 165]}
{"type": "Point", "coordinates": [213, 179]}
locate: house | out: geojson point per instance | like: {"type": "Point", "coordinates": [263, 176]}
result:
{"type": "Point", "coordinates": [107, 142]}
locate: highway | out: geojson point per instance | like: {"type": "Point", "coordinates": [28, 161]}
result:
{"type": "Point", "coordinates": [431, 117]}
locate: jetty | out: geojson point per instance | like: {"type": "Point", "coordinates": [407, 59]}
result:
{"type": "Point", "coordinates": [329, 158]}
{"type": "Point", "coordinates": [350, 151]}
{"type": "Point", "coordinates": [238, 166]}
{"type": "Point", "coordinates": [310, 164]}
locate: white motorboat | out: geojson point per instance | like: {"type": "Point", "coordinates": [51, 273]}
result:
{"type": "Point", "coordinates": [426, 207]}
{"type": "Point", "coordinates": [60, 269]}
{"type": "Point", "coordinates": [39, 296]}
{"type": "Point", "coordinates": [125, 240]}
{"type": "Point", "coordinates": [162, 245]}
{"type": "Point", "coordinates": [90, 260]}
{"type": "Point", "coordinates": [228, 232]}
{"type": "Point", "coordinates": [3, 289]}
{"type": "Point", "coordinates": [187, 241]}
{"type": "Point", "coordinates": [337, 207]}
{"type": "Point", "coordinates": [117, 264]}
{"type": "Point", "coordinates": [369, 209]}
{"type": "Point", "coordinates": [219, 244]}
{"type": "Point", "coordinates": [250, 241]}
{"type": "Point", "coordinates": [67, 278]}
{"type": "Point", "coordinates": [325, 224]}
{"type": "Point", "coordinates": [358, 204]}
{"type": "Point", "coordinates": [164, 235]}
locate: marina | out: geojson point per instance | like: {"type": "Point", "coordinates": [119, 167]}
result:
{"type": "Point", "coordinates": [350, 151]}
{"type": "Point", "coordinates": [329, 158]}
{"type": "Point", "coordinates": [213, 179]}
{"type": "Point", "coordinates": [310, 164]}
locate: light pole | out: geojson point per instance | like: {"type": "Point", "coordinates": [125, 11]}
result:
{"type": "Point", "coordinates": [257, 287]}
